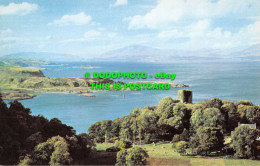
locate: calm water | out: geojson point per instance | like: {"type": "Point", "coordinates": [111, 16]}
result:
{"type": "Point", "coordinates": [227, 81]}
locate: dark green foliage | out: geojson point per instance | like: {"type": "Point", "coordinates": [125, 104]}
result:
{"type": "Point", "coordinates": [244, 102]}
{"type": "Point", "coordinates": [207, 140]}
{"type": "Point", "coordinates": [121, 157]}
{"type": "Point", "coordinates": [54, 151]}
{"type": "Point", "coordinates": [80, 146]}
{"type": "Point", "coordinates": [185, 135]}
{"type": "Point", "coordinates": [231, 116]}
{"type": "Point", "coordinates": [181, 147]}
{"type": "Point", "coordinates": [123, 144]}
{"type": "Point", "coordinates": [132, 156]}
{"type": "Point", "coordinates": [249, 114]}
{"type": "Point", "coordinates": [244, 142]}
{"type": "Point", "coordinates": [213, 103]}
{"type": "Point", "coordinates": [20, 132]}
{"type": "Point", "coordinates": [210, 117]}
{"type": "Point", "coordinates": [136, 156]}
{"type": "Point", "coordinates": [176, 138]}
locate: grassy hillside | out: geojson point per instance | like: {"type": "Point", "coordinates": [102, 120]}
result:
{"type": "Point", "coordinates": [4, 61]}
{"type": "Point", "coordinates": [18, 82]}
{"type": "Point", "coordinates": [164, 154]}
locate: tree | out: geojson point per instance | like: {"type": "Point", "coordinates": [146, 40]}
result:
{"type": "Point", "coordinates": [164, 105]}
{"type": "Point", "coordinates": [80, 146]}
{"type": "Point", "coordinates": [54, 151]}
{"type": "Point", "coordinates": [213, 103]}
{"type": "Point", "coordinates": [55, 127]}
{"type": "Point", "coordinates": [210, 117]}
{"type": "Point", "coordinates": [181, 147]}
{"type": "Point", "coordinates": [95, 131]}
{"type": "Point", "coordinates": [185, 135]}
{"type": "Point", "coordinates": [231, 116]}
{"type": "Point", "coordinates": [105, 129]}
{"type": "Point", "coordinates": [206, 140]}
{"type": "Point", "coordinates": [244, 143]}
{"type": "Point", "coordinates": [249, 114]}
{"type": "Point", "coordinates": [180, 118]}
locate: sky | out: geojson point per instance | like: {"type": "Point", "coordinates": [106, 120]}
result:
{"type": "Point", "coordinates": [93, 27]}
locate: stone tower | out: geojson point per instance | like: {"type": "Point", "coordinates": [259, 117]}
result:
{"type": "Point", "coordinates": [185, 96]}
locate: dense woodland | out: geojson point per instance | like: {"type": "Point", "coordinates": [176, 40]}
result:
{"type": "Point", "coordinates": [194, 129]}
{"type": "Point", "coordinates": [198, 129]}
{"type": "Point", "coordinates": [35, 140]}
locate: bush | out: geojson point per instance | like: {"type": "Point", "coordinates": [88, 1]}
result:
{"type": "Point", "coordinates": [113, 149]}
{"type": "Point", "coordinates": [131, 156]}
{"type": "Point", "coordinates": [185, 135]}
{"type": "Point", "coordinates": [121, 157]}
{"type": "Point", "coordinates": [181, 147]}
{"type": "Point", "coordinates": [123, 144]}
{"type": "Point", "coordinates": [176, 138]}
{"type": "Point", "coordinates": [136, 156]}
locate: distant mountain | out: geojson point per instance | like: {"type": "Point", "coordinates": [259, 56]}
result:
{"type": "Point", "coordinates": [137, 53]}
{"type": "Point", "coordinates": [251, 54]}
{"type": "Point", "coordinates": [55, 57]}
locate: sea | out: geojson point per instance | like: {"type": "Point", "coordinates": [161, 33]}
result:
{"type": "Point", "coordinates": [227, 81]}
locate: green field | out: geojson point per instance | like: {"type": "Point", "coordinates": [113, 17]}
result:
{"type": "Point", "coordinates": [163, 154]}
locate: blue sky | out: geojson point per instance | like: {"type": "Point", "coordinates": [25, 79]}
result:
{"type": "Point", "coordinates": [92, 27]}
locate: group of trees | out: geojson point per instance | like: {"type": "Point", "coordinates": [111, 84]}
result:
{"type": "Point", "coordinates": [202, 126]}
{"type": "Point", "coordinates": [33, 140]}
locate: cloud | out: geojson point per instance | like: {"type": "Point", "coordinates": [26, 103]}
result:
{"type": "Point", "coordinates": [119, 3]}
{"type": "Point", "coordinates": [92, 34]}
{"type": "Point", "coordinates": [77, 19]}
{"type": "Point", "coordinates": [18, 9]}
{"type": "Point", "coordinates": [6, 31]}
{"type": "Point", "coordinates": [202, 34]}
{"type": "Point", "coordinates": [168, 13]}
{"type": "Point", "coordinates": [48, 37]}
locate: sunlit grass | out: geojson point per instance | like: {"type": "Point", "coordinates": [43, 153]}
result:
{"type": "Point", "coordinates": [164, 151]}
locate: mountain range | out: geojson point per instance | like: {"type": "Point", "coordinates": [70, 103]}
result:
{"type": "Point", "coordinates": [138, 53]}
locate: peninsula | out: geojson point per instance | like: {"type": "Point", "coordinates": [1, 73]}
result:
{"type": "Point", "coordinates": [18, 83]}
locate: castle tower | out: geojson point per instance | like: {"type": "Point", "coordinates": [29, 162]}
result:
{"type": "Point", "coordinates": [185, 96]}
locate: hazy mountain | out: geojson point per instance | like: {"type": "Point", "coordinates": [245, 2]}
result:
{"type": "Point", "coordinates": [137, 53]}
{"type": "Point", "coordinates": [45, 56]}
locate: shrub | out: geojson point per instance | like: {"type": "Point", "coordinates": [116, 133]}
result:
{"type": "Point", "coordinates": [131, 156]}
{"type": "Point", "coordinates": [121, 157]}
{"type": "Point", "coordinates": [136, 156]}
{"type": "Point", "coordinates": [123, 144]}
{"type": "Point", "coordinates": [176, 138]}
{"type": "Point", "coordinates": [181, 147]}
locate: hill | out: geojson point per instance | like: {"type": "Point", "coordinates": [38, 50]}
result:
{"type": "Point", "coordinates": [4, 61]}
{"type": "Point", "coordinates": [21, 83]}
{"type": "Point", "coordinates": [45, 56]}
{"type": "Point", "coordinates": [137, 53]}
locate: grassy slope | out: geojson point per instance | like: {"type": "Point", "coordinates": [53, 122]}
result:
{"type": "Point", "coordinates": [163, 154]}
{"type": "Point", "coordinates": [23, 62]}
